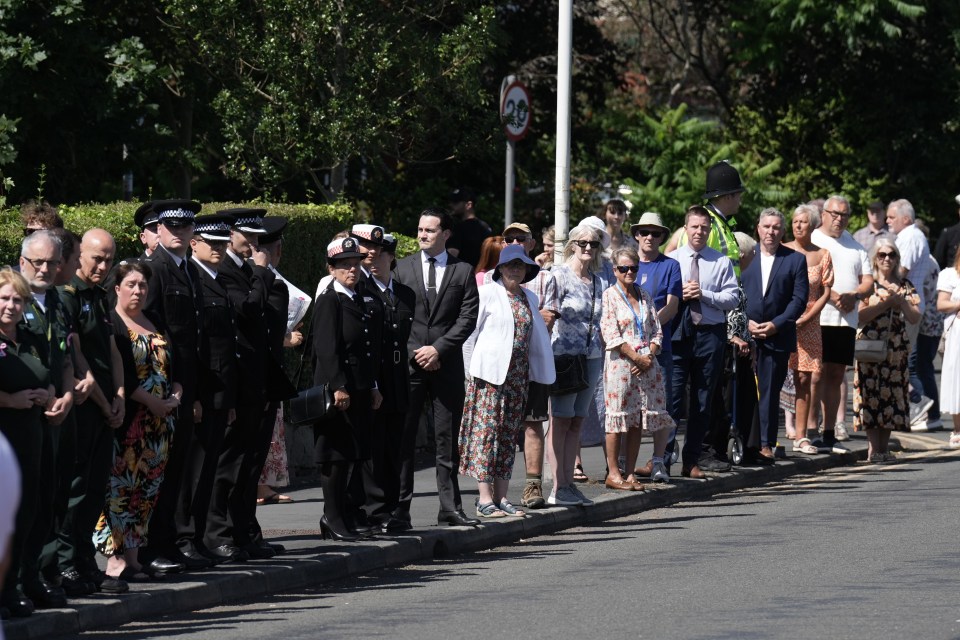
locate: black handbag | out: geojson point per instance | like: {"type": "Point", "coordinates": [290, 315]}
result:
{"type": "Point", "coordinates": [572, 369]}
{"type": "Point", "coordinates": [316, 403]}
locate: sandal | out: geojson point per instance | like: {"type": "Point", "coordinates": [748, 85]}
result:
{"type": "Point", "coordinates": [511, 510]}
{"type": "Point", "coordinates": [489, 510]}
{"type": "Point", "coordinates": [803, 445]}
{"type": "Point", "coordinates": [579, 475]}
{"type": "Point", "coordinates": [284, 499]}
{"type": "Point", "coordinates": [273, 498]}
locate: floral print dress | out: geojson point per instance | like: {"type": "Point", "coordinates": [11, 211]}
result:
{"type": "Point", "coordinates": [631, 401]}
{"type": "Point", "coordinates": [880, 389]}
{"type": "Point", "coordinates": [140, 455]}
{"type": "Point", "coordinates": [493, 414]}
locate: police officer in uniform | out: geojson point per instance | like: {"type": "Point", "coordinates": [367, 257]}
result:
{"type": "Point", "coordinates": [346, 355]}
{"type": "Point", "coordinates": [174, 296]}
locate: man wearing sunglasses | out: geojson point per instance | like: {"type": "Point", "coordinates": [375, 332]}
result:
{"type": "Point", "coordinates": [39, 215]}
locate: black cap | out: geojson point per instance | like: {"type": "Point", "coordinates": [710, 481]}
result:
{"type": "Point", "coordinates": [722, 179]}
{"type": "Point", "coordinates": [390, 243]}
{"type": "Point", "coordinates": [145, 215]}
{"type": "Point", "coordinates": [176, 213]}
{"type": "Point", "coordinates": [463, 194]}
{"type": "Point", "coordinates": [245, 219]}
{"type": "Point", "coordinates": [274, 226]}
{"type": "Point", "coordinates": [215, 228]}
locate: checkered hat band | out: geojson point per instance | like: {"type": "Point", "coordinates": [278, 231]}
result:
{"type": "Point", "coordinates": [212, 226]}
{"type": "Point", "coordinates": [180, 214]}
{"type": "Point", "coordinates": [241, 222]}
{"type": "Point", "coordinates": [332, 251]}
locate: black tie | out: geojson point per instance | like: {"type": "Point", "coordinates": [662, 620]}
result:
{"type": "Point", "coordinates": [391, 298]}
{"type": "Point", "coordinates": [432, 282]}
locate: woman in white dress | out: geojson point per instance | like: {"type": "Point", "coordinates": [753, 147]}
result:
{"type": "Point", "coordinates": [948, 303]}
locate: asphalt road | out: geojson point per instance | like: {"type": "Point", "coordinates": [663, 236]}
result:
{"type": "Point", "coordinates": [857, 552]}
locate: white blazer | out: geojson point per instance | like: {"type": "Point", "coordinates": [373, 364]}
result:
{"type": "Point", "coordinates": [487, 352]}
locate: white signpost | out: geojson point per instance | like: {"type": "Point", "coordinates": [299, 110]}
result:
{"type": "Point", "coordinates": [516, 116]}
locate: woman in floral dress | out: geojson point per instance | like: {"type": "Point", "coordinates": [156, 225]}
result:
{"type": "Point", "coordinates": [881, 401]}
{"type": "Point", "coordinates": [632, 378]}
{"type": "Point", "coordinates": [807, 362]}
{"type": "Point", "coordinates": [498, 379]}
{"type": "Point", "coordinates": [141, 445]}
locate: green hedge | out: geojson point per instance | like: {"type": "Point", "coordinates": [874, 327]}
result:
{"type": "Point", "coordinates": [304, 242]}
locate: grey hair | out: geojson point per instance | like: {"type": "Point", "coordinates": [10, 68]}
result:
{"type": "Point", "coordinates": [904, 209]}
{"type": "Point", "coordinates": [745, 243]}
{"type": "Point", "coordinates": [625, 252]}
{"type": "Point", "coordinates": [812, 213]}
{"type": "Point", "coordinates": [837, 198]}
{"type": "Point", "coordinates": [584, 233]}
{"type": "Point", "coordinates": [771, 212]}
{"type": "Point", "coordinates": [38, 237]}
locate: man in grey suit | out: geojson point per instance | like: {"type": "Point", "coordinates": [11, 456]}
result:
{"type": "Point", "coordinates": [445, 315]}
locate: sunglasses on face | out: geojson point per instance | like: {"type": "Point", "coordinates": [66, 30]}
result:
{"type": "Point", "coordinates": [516, 239]}
{"type": "Point", "coordinates": [628, 268]}
{"type": "Point", "coordinates": [583, 244]}
{"type": "Point", "coordinates": [28, 231]}
{"type": "Point", "coordinates": [886, 254]}
{"type": "Point", "coordinates": [648, 232]}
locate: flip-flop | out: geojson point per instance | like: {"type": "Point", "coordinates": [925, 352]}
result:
{"type": "Point", "coordinates": [273, 498]}
{"type": "Point", "coordinates": [579, 475]}
{"type": "Point", "coordinates": [283, 499]}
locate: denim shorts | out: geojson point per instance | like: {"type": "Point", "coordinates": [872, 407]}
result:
{"type": "Point", "coordinates": [577, 405]}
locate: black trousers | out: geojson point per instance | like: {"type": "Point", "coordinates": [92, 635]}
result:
{"type": "Point", "coordinates": [88, 489]}
{"type": "Point", "coordinates": [200, 471]}
{"type": "Point", "coordinates": [381, 473]}
{"type": "Point", "coordinates": [27, 443]}
{"type": "Point", "coordinates": [45, 508]}
{"type": "Point", "coordinates": [444, 389]}
{"type": "Point", "coordinates": [64, 440]}
{"type": "Point", "coordinates": [243, 499]}
{"type": "Point", "coordinates": [239, 438]}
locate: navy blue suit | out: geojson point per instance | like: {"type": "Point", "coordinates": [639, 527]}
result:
{"type": "Point", "coordinates": [784, 301]}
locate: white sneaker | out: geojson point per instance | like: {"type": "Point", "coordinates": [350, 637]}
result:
{"type": "Point", "coordinates": [562, 496]}
{"type": "Point", "coordinates": [955, 440]}
{"type": "Point", "coordinates": [840, 432]}
{"type": "Point", "coordinates": [917, 427]}
{"type": "Point", "coordinates": [575, 490]}
{"type": "Point", "coordinates": [660, 473]}
{"type": "Point", "coordinates": [839, 448]}
{"type": "Point", "coordinates": [918, 411]}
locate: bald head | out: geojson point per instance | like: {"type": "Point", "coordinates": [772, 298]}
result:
{"type": "Point", "coordinates": [96, 256]}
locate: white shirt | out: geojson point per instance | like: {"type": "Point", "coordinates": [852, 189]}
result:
{"type": "Point", "coordinates": [213, 274]}
{"type": "Point", "coordinates": [850, 263]}
{"type": "Point", "coordinates": [441, 266]}
{"type": "Point", "coordinates": [914, 251]}
{"type": "Point", "coordinates": [177, 259]}
{"type": "Point", "coordinates": [237, 260]}
{"type": "Point", "coordinates": [766, 266]}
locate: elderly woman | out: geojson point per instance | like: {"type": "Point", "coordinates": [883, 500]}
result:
{"type": "Point", "coordinates": [140, 446]}
{"type": "Point", "coordinates": [632, 377]}
{"type": "Point", "coordinates": [576, 341]}
{"type": "Point", "coordinates": [808, 359]}
{"type": "Point", "coordinates": [498, 379]}
{"type": "Point", "coordinates": [881, 401]}
{"type": "Point", "coordinates": [25, 392]}
{"type": "Point", "coordinates": [948, 302]}
{"type": "Point", "coordinates": [346, 350]}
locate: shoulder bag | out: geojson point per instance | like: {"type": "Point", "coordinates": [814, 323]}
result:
{"type": "Point", "coordinates": [316, 403]}
{"type": "Point", "coordinates": [572, 369]}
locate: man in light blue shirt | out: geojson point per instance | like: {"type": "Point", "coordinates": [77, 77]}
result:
{"type": "Point", "coordinates": [699, 335]}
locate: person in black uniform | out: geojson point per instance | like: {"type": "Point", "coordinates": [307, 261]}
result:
{"type": "Point", "coordinates": [381, 473]}
{"type": "Point", "coordinates": [174, 296]}
{"type": "Point", "coordinates": [248, 286]}
{"type": "Point", "coordinates": [350, 366]}
{"type": "Point", "coordinates": [146, 219]}
{"type": "Point", "coordinates": [278, 386]}
{"type": "Point", "coordinates": [216, 391]}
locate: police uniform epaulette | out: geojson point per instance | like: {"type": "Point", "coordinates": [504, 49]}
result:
{"type": "Point", "coordinates": [69, 288]}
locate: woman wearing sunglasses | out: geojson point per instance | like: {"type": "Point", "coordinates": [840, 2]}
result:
{"type": "Point", "coordinates": [632, 377]}
{"type": "Point", "coordinates": [880, 399]}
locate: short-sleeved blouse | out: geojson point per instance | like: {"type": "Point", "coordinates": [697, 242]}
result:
{"type": "Point", "coordinates": [581, 306]}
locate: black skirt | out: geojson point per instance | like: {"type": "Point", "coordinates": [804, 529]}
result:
{"type": "Point", "coordinates": [346, 436]}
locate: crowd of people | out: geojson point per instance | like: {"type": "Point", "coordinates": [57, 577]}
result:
{"type": "Point", "coordinates": [142, 399]}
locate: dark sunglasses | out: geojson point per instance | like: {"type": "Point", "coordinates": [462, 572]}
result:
{"type": "Point", "coordinates": [887, 254]}
{"type": "Point", "coordinates": [174, 223]}
{"type": "Point", "coordinates": [648, 232]}
{"type": "Point", "coordinates": [516, 239]}
{"type": "Point", "coordinates": [628, 268]}
{"type": "Point", "coordinates": [593, 244]}
{"type": "Point", "coordinates": [27, 232]}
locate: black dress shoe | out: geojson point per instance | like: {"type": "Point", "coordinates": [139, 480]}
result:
{"type": "Point", "coordinates": [456, 519]}
{"type": "Point", "coordinates": [395, 525]}
{"type": "Point", "coordinates": [114, 585]}
{"type": "Point", "coordinates": [276, 546]}
{"type": "Point", "coordinates": [74, 585]}
{"type": "Point", "coordinates": [193, 560]}
{"type": "Point", "coordinates": [227, 553]}
{"type": "Point", "coordinates": [328, 531]}
{"type": "Point", "coordinates": [713, 464]}
{"type": "Point", "coordinates": [161, 565]}
{"type": "Point", "coordinates": [17, 606]}
{"type": "Point", "coordinates": [45, 596]}
{"type": "Point", "coordinates": [257, 552]}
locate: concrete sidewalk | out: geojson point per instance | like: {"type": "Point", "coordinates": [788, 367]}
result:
{"type": "Point", "coordinates": [310, 561]}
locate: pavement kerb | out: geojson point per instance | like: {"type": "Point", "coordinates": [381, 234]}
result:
{"type": "Point", "coordinates": [230, 583]}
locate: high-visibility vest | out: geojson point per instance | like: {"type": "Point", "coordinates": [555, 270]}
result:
{"type": "Point", "coordinates": [721, 238]}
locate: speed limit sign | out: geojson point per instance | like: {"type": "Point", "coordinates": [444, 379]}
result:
{"type": "Point", "coordinates": [515, 110]}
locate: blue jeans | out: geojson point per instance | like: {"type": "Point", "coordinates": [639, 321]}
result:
{"type": "Point", "coordinates": [577, 405]}
{"type": "Point", "coordinates": [922, 376]}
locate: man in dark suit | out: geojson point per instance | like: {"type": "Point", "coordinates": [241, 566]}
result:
{"type": "Point", "coordinates": [775, 286]}
{"type": "Point", "coordinates": [381, 473]}
{"type": "Point", "coordinates": [233, 501]}
{"type": "Point", "coordinates": [174, 295]}
{"type": "Point", "coordinates": [445, 315]}
{"type": "Point", "coordinates": [216, 391]}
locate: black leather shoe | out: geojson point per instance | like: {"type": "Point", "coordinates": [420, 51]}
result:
{"type": "Point", "coordinates": [276, 546]}
{"type": "Point", "coordinates": [395, 525]}
{"type": "Point", "coordinates": [45, 596]}
{"type": "Point", "coordinates": [114, 585]}
{"type": "Point", "coordinates": [256, 552]}
{"type": "Point", "coordinates": [163, 565]}
{"type": "Point", "coordinates": [327, 531]}
{"type": "Point", "coordinates": [193, 560]}
{"type": "Point", "coordinates": [456, 519]}
{"type": "Point", "coordinates": [18, 606]}
{"type": "Point", "coordinates": [95, 577]}
{"type": "Point", "coordinates": [714, 465]}
{"type": "Point", "coordinates": [228, 553]}
{"type": "Point", "coordinates": [74, 585]}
